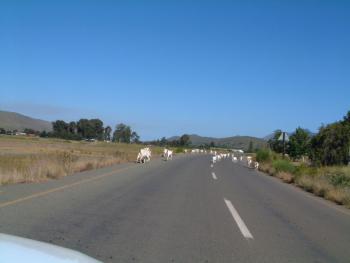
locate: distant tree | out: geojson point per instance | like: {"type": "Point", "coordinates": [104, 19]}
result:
{"type": "Point", "coordinates": [212, 144]}
{"type": "Point", "coordinates": [84, 129]}
{"type": "Point", "coordinates": [107, 133]}
{"type": "Point", "coordinates": [44, 134]}
{"type": "Point", "coordinates": [72, 127]}
{"type": "Point", "coordinates": [275, 144]}
{"type": "Point", "coordinates": [61, 130]}
{"type": "Point", "coordinates": [299, 143]}
{"type": "Point", "coordinates": [330, 146]}
{"type": "Point", "coordinates": [90, 129]}
{"type": "Point", "coordinates": [135, 138]}
{"type": "Point", "coordinates": [184, 140]}
{"type": "Point", "coordinates": [97, 128]}
{"type": "Point", "coordinates": [2, 131]}
{"type": "Point", "coordinates": [163, 141]}
{"type": "Point", "coordinates": [122, 133]}
{"type": "Point", "coordinates": [346, 124]}
{"type": "Point", "coordinates": [250, 148]}
{"type": "Point", "coordinates": [60, 127]}
{"type": "Point", "coordinates": [73, 131]}
{"type": "Point", "coordinates": [175, 143]}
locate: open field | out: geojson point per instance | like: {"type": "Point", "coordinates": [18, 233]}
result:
{"type": "Point", "coordinates": [32, 159]}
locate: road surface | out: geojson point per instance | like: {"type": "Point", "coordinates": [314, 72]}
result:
{"type": "Point", "coordinates": [182, 210]}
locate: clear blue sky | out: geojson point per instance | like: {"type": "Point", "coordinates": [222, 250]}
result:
{"type": "Point", "coordinates": [215, 68]}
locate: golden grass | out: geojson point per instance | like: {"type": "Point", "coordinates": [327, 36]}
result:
{"type": "Point", "coordinates": [24, 159]}
{"type": "Point", "coordinates": [267, 168]}
{"type": "Point", "coordinates": [306, 182]}
{"type": "Point", "coordinates": [327, 182]}
{"type": "Point", "coordinates": [339, 196]}
{"type": "Point", "coordinates": [320, 186]}
{"type": "Point", "coordinates": [285, 177]}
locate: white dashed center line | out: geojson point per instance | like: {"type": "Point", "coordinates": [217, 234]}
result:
{"type": "Point", "coordinates": [214, 176]}
{"type": "Point", "coordinates": [239, 221]}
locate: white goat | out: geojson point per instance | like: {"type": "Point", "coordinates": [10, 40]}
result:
{"type": "Point", "coordinates": [144, 155]}
{"type": "Point", "coordinates": [256, 165]}
{"type": "Point", "coordinates": [168, 154]}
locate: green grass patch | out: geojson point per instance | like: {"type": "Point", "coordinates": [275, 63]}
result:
{"type": "Point", "coordinates": [283, 166]}
{"type": "Point", "coordinates": [263, 155]}
{"type": "Point", "coordinates": [179, 150]}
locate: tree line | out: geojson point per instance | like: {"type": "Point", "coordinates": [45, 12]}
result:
{"type": "Point", "coordinates": [330, 146]}
{"type": "Point", "coordinates": [91, 129]}
{"type": "Point", "coordinates": [183, 141]}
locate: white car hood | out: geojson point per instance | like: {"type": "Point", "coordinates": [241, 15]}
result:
{"type": "Point", "coordinates": [17, 249]}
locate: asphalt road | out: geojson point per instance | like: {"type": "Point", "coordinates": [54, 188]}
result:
{"type": "Point", "coordinates": [182, 210]}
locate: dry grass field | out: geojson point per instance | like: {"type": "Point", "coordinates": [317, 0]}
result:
{"type": "Point", "coordinates": [32, 159]}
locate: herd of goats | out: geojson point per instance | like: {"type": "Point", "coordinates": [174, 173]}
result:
{"type": "Point", "coordinates": [244, 159]}
{"type": "Point", "coordinates": [145, 154]}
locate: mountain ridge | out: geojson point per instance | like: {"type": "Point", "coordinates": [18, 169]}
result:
{"type": "Point", "coordinates": [239, 142]}
{"type": "Point", "coordinates": [16, 121]}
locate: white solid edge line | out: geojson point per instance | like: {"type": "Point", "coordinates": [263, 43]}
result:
{"type": "Point", "coordinates": [214, 176]}
{"type": "Point", "coordinates": [241, 225]}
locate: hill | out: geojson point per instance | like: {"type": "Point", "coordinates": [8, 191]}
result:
{"type": "Point", "coordinates": [16, 121]}
{"type": "Point", "coordinates": [237, 142]}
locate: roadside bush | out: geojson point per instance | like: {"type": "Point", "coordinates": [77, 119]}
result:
{"type": "Point", "coordinates": [339, 195]}
{"type": "Point", "coordinates": [329, 182]}
{"type": "Point", "coordinates": [179, 150]}
{"type": "Point", "coordinates": [306, 182]}
{"type": "Point", "coordinates": [338, 176]}
{"type": "Point", "coordinates": [264, 167]}
{"type": "Point", "coordinates": [263, 155]}
{"type": "Point", "coordinates": [321, 186]}
{"type": "Point", "coordinates": [284, 166]}
{"type": "Point", "coordinates": [304, 169]}
{"type": "Point", "coordinates": [285, 177]}
{"type": "Point", "coordinates": [340, 180]}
